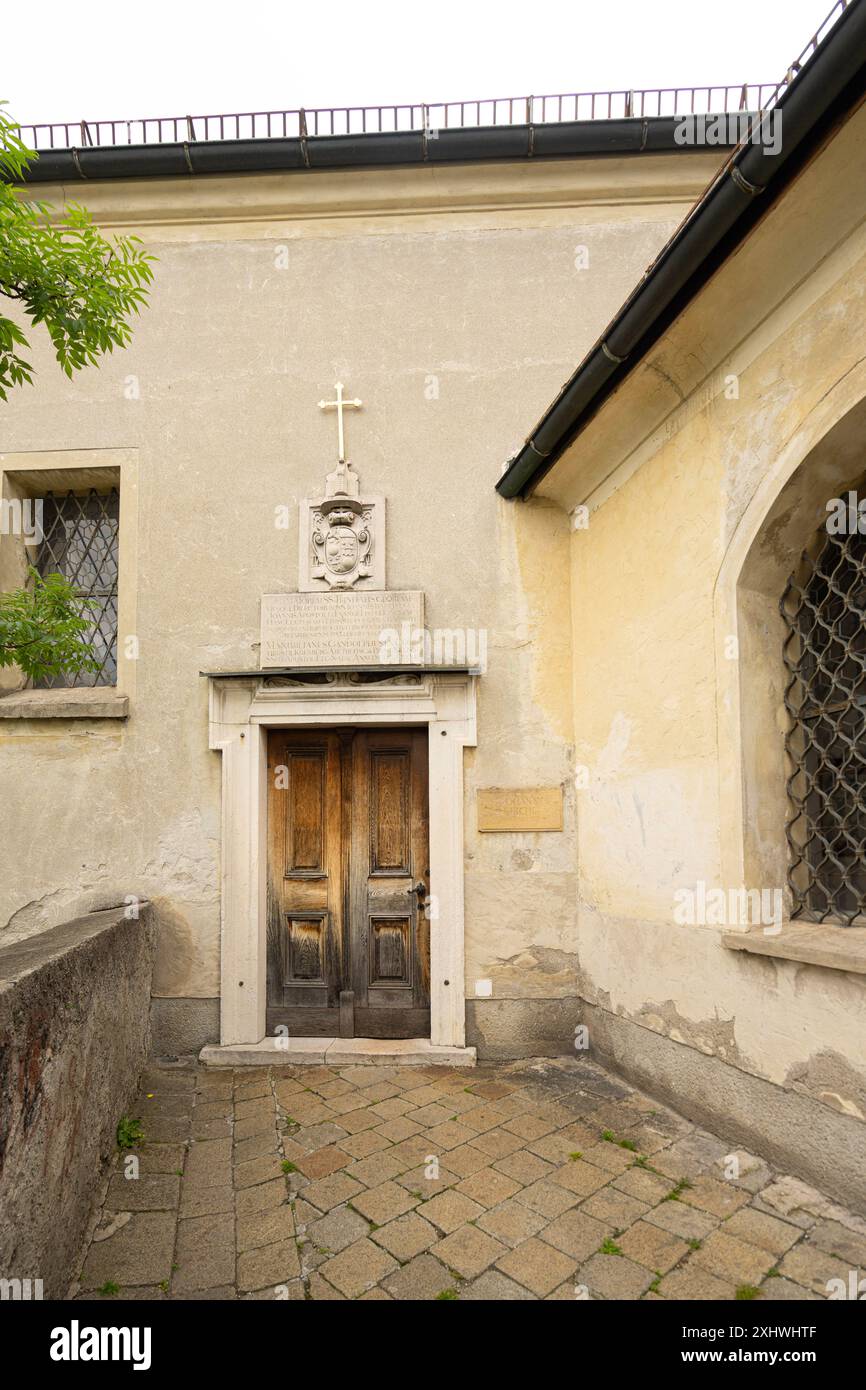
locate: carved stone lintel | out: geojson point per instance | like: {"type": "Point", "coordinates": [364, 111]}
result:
{"type": "Point", "coordinates": [341, 679]}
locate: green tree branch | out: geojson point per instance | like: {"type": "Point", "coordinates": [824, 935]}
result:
{"type": "Point", "coordinates": [43, 629]}
{"type": "Point", "coordinates": [63, 273]}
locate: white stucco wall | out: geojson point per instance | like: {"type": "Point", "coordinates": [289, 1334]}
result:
{"type": "Point", "coordinates": [450, 301]}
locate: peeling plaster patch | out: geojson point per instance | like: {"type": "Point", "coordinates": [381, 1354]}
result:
{"type": "Point", "coordinates": [184, 867]}
{"type": "Point", "coordinates": [63, 905]}
{"type": "Point", "coordinates": [714, 1037]}
{"type": "Point", "coordinates": [535, 969]}
{"type": "Point", "coordinates": [522, 859]}
{"type": "Point", "coordinates": [831, 1079]}
{"type": "Point", "coordinates": [827, 1077]}
{"type": "Point", "coordinates": [772, 539]}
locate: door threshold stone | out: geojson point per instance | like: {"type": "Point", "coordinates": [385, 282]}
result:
{"type": "Point", "coordinates": [270, 1052]}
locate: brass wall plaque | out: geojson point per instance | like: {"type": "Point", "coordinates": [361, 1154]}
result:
{"type": "Point", "coordinates": [519, 809]}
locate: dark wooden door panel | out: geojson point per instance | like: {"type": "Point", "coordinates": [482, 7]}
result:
{"type": "Point", "coordinates": [306, 812]}
{"type": "Point", "coordinates": [390, 773]}
{"type": "Point", "coordinates": [305, 877]}
{"type": "Point", "coordinates": [348, 872]}
{"type": "Point", "coordinates": [389, 931]}
{"type": "Point", "coordinates": [304, 1021]}
{"type": "Point", "coordinates": [402, 1023]}
{"type": "Point", "coordinates": [390, 948]}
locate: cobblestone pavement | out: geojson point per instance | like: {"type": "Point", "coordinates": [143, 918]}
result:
{"type": "Point", "coordinates": [529, 1180]}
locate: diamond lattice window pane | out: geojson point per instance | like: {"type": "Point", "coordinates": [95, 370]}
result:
{"type": "Point", "coordinates": [80, 542]}
{"type": "Point", "coordinates": [824, 609]}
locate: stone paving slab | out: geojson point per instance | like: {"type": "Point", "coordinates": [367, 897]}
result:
{"type": "Point", "coordinates": [543, 1179]}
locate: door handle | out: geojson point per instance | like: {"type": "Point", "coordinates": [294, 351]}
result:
{"type": "Point", "coordinates": [420, 890]}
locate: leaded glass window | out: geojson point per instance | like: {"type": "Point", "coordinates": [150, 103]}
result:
{"type": "Point", "coordinates": [80, 542]}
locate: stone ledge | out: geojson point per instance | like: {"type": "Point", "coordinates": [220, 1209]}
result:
{"type": "Point", "coordinates": [79, 702]}
{"type": "Point", "coordinates": [403, 1052]}
{"type": "Point", "coordinates": [22, 958]}
{"type": "Point", "coordinates": [813, 943]}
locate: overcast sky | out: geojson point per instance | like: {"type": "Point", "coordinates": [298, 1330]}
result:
{"type": "Point", "coordinates": [104, 60]}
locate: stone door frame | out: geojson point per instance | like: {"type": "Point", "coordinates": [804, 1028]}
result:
{"type": "Point", "coordinates": [242, 710]}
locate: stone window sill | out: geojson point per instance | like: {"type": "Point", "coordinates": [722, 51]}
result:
{"type": "Point", "coordinates": [835, 948]}
{"type": "Point", "coordinates": [84, 702]}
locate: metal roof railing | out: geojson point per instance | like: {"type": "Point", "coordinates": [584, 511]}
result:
{"type": "Point", "coordinates": [328, 121]}
{"type": "Point", "coordinates": [308, 123]}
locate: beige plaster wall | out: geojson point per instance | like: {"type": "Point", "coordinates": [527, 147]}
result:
{"type": "Point", "coordinates": [451, 303]}
{"type": "Point", "coordinates": [663, 705]}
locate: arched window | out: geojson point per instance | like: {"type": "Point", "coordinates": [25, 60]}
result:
{"type": "Point", "coordinates": [824, 611]}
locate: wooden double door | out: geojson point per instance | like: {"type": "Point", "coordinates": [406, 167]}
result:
{"type": "Point", "coordinates": [348, 878]}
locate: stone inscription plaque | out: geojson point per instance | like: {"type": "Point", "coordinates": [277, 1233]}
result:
{"type": "Point", "coordinates": [334, 629]}
{"type": "Point", "coordinates": [519, 809]}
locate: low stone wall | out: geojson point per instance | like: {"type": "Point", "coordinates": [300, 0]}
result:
{"type": "Point", "coordinates": [74, 1035]}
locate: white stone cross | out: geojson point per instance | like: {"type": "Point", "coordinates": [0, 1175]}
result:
{"type": "Point", "coordinates": [340, 405]}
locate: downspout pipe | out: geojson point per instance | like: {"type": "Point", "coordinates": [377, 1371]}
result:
{"type": "Point", "coordinates": [744, 187]}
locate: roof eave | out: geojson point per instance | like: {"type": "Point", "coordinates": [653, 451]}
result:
{"type": "Point", "coordinates": [459, 145]}
{"type": "Point", "coordinates": [747, 185]}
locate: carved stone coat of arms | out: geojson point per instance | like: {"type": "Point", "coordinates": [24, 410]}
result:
{"type": "Point", "coordinates": [342, 537]}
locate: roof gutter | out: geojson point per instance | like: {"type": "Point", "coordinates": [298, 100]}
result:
{"type": "Point", "coordinates": [555, 140]}
{"type": "Point", "coordinates": [745, 187]}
